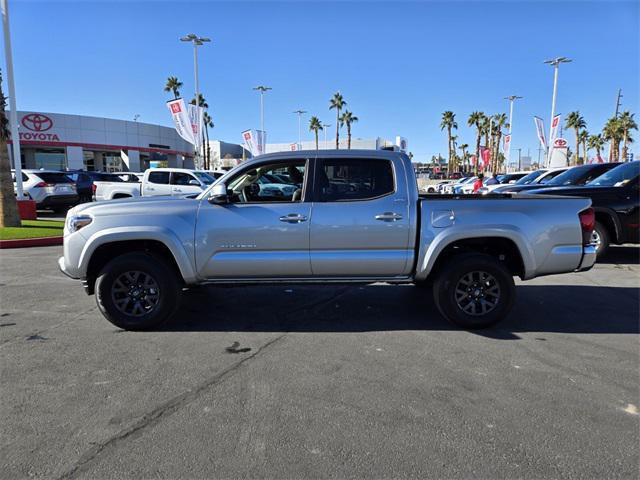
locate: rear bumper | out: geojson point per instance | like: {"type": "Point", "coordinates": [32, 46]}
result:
{"type": "Point", "coordinates": [588, 258]}
{"type": "Point", "coordinates": [58, 201]}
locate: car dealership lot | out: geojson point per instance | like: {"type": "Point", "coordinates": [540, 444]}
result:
{"type": "Point", "coordinates": [318, 382]}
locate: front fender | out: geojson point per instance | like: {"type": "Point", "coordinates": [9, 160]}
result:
{"type": "Point", "coordinates": [431, 248]}
{"type": "Point", "coordinates": [123, 234]}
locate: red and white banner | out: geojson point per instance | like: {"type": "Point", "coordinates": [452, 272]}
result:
{"type": "Point", "coordinates": [247, 137]}
{"type": "Point", "coordinates": [255, 141]}
{"type": "Point", "coordinates": [506, 148]}
{"type": "Point", "coordinates": [540, 131]}
{"type": "Point", "coordinates": [196, 117]}
{"type": "Point", "coordinates": [181, 119]}
{"type": "Point", "coordinates": [293, 147]}
{"type": "Point", "coordinates": [555, 124]}
{"type": "Point", "coordinates": [485, 157]}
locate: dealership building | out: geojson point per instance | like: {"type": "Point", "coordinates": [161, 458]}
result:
{"type": "Point", "coordinates": [60, 141]}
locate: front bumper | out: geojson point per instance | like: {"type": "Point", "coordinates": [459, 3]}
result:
{"type": "Point", "coordinates": [589, 255]}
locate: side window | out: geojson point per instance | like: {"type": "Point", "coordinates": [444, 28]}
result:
{"type": "Point", "coordinates": [159, 177]}
{"type": "Point", "coordinates": [274, 182]}
{"type": "Point", "coordinates": [181, 178]}
{"type": "Point", "coordinates": [358, 179]}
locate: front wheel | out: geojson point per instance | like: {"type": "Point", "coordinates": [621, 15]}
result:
{"type": "Point", "coordinates": [137, 291]}
{"type": "Point", "coordinates": [474, 291]}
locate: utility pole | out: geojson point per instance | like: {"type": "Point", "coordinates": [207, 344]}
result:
{"type": "Point", "coordinates": [325, 127]}
{"type": "Point", "coordinates": [197, 42]}
{"type": "Point", "coordinates": [262, 89]}
{"type": "Point", "coordinates": [556, 64]}
{"type": "Point", "coordinates": [13, 113]}
{"type": "Point", "coordinates": [618, 102]}
{"type": "Point", "coordinates": [300, 112]}
{"type": "Point", "coordinates": [512, 99]}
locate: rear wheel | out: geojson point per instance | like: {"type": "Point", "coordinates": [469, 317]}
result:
{"type": "Point", "coordinates": [137, 291]}
{"type": "Point", "coordinates": [474, 291]}
{"type": "Point", "coordinates": [600, 238]}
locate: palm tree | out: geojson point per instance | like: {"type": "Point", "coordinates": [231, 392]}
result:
{"type": "Point", "coordinates": [476, 119]}
{"type": "Point", "coordinates": [499, 122]}
{"type": "Point", "coordinates": [201, 101]}
{"type": "Point", "coordinates": [449, 122]}
{"type": "Point", "coordinates": [8, 207]}
{"type": "Point", "coordinates": [173, 85]}
{"type": "Point", "coordinates": [464, 147]}
{"type": "Point", "coordinates": [348, 118]}
{"type": "Point", "coordinates": [575, 121]}
{"type": "Point", "coordinates": [612, 132]}
{"type": "Point", "coordinates": [583, 136]}
{"type": "Point", "coordinates": [597, 142]}
{"type": "Point", "coordinates": [315, 125]}
{"type": "Point", "coordinates": [337, 102]}
{"type": "Point", "coordinates": [208, 122]}
{"type": "Point", "coordinates": [627, 123]}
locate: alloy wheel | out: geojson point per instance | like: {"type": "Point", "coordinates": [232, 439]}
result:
{"type": "Point", "coordinates": [135, 293]}
{"type": "Point", "coordinates": [477, 293]}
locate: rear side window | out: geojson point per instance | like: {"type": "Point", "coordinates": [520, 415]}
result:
{"type": "Point", "coordinates": [341, 180]}
{"type": "Point", "coordinates": [181, 178]}
{"type": "Point", "coordinates": [54, 177]}
{"type": "Point", "coordinates": [159, 177]}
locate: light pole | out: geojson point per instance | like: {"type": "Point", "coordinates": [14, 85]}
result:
{"type": "Point", "coordinates": [196, 41]}
{"type": "Point", "coordinates": [13, 114]}
{"type": "Point", "coordinates": [262, 89]}
{"type": "Point", "coordinates": [300, 112]}
{"type": "Point", "coordinates": [511, 98]}
{"type": "Point", "coordinates": [325, 126]}
{"type": "Point", "coordinates": [556, 64]}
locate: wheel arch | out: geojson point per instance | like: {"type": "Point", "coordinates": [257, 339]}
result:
{"type": "Point", "coordinates": [609, 219]}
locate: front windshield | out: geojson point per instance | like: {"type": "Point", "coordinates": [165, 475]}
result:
{"type": "Point", "coordinates": [529, 178]}
{"type": "Point", "coordinates": [617, 177]}
{"type": "Point", "coordinates": [204, 177]}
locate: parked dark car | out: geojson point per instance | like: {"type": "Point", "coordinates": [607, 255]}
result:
{"type": "Point", "coordinates": [616, 201]}
{"type": "Point", "coordinates": [84, 182]}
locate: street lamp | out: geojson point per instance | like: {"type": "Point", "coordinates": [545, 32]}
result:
{"type": "Point", "coordinates": [136, 117]}
{"type": "Point", "coordinates": [556, 64]}
{"type": "Point", "coordinates": [13, 114]}
{"type": "Point", "coordinates": [262, 89]}
{"type": "Point", "coordinates": [511, 98]}
{"type": "Point", "coordinates": [325, 127]}
{"type": "Point", "coordinates": [300, 112]}
{"type": "Point", "coordinates": [197, 42]}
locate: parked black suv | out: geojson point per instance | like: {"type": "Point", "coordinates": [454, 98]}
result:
{"type": "Point", "coordinates": [616, 201]}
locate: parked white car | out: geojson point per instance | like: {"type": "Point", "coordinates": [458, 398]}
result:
{"type": "Point", "coordinates": [174, 181]}
{"type": "Point", "coordinates": [126, 185]}
{"type": "Point", "coordinates": [49, 188]}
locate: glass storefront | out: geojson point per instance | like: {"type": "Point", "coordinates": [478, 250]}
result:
{"type": "Point", "coordinates": [50, 159]}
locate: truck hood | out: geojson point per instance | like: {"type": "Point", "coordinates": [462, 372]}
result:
{"type": "Point", "coordinates": [158, 205]}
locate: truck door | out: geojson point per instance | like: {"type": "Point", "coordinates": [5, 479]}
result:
{"type": "Point", "coordinates": [183, 183]}
{"type": "Point", "coordinates": [157, 183]}
{"type": "Point", "coordinates": [360, 225]}
{"type": "Point", "coordinates": [261, 232]}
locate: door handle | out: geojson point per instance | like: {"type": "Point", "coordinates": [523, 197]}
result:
{"type": "Point", "coordinates": [389, 217]}
{"type": "Point", "coordinates": [177, 190]}
{"type": "Point", "coordinates": [293, 218]}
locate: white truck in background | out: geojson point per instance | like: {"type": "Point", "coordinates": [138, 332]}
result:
{"type": "Point", "coordinates": [153, 182]}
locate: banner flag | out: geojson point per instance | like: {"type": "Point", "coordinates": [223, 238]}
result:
{"type": "Point", "coordinates": [293, 147]}
{"type": "Point", "coordinates": [540, 131]}
{"type": "Point", "coordinates": [261, 142]}
{"type": "Point", "coordinates": [248, 138]}
{"type": "Point", "coordinates": [507, 146]}
{"type": "Point", "coordinates": [555, 123]}
{"type": "Point", "coordinates": [485, 157]}
{"type": "Point", "coordinates": [196, 117]}
{"type": "Point", "coordinates": [181, 119]}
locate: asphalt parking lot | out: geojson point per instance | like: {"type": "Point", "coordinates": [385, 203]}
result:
{"type": "Point", "coordinates": [320, 382]}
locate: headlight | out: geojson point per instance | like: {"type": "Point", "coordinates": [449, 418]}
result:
{"type": "Point", "coordinates": [76, 222]}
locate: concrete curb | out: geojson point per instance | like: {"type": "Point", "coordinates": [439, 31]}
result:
{"type": "Point", "coordinates": [30, 242]}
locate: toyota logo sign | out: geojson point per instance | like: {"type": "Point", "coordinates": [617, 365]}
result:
{"type": "Point", "coordinates": [560, 143]}
{"type": "Point", "coordinates": [36, 122]}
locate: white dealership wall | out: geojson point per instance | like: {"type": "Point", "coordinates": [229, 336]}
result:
{"type": "Point", "coordinates": [135, 143]}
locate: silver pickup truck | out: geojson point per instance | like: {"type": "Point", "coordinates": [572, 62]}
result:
{"type": "Point", "coordinates": [348, 216]}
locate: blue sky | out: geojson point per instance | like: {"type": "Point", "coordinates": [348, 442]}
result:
{"type": "Point", "coordinates": [399, 65]}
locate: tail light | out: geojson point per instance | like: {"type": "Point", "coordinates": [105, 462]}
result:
{"type": "Point", "coordinates": [94, 187]}
{"type": "Point", "coordinates": [587, 223]}
{"type": "Point", "coordinates": [43, 185]}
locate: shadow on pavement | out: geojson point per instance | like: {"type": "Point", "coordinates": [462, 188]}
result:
{"type": "Point", "coordinates": [552, 308]}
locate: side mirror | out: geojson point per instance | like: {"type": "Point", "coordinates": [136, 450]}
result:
{"type": "Point", "coordinates": [219, 194]}
{"type": "Point", "coordinates": [194, 182]}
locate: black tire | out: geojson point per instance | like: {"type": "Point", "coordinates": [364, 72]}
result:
{"type": "Point", "coordinates": [601, 238]}
{"type": "Point", "coordinates": [153, 304]}
{"type": "Point", "coordinates": [479, 294]}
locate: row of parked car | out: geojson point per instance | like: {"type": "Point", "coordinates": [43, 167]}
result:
{"type": "Point", "coordinates": [614, 189]}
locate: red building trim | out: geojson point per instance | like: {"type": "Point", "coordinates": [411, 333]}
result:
{"type": "Point", "coordinates": [97, 146]}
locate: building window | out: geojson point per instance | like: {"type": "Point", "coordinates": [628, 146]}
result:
{"type": "Point", "coordinates": [50, 159]}
{"type": "Point", "coordinates": [89, 160]}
